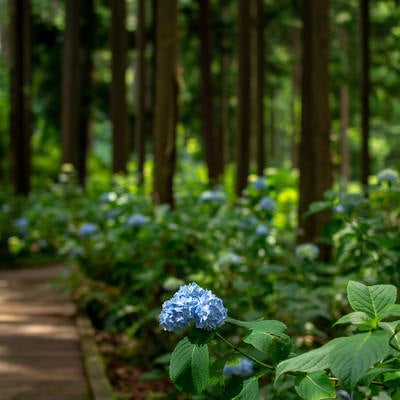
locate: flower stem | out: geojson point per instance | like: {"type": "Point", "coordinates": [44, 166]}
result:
{"type": "Point", "coordinates": [242, 352]}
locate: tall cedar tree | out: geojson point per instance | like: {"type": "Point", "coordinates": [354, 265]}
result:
{"type": "Point", "coordinates": [259, 104]}
{"type": "Point", "coordinates": [140, 131]}
{"type": "Point", "coordinates": [20, 123]}
{"type": "Point", "coordinates": [315, 164]}
{"type": "Point", "coordinates": [165, 115]}
{"type": "Point", "coordinates": [344, 111]}
{"type": "Point", "coordinates": [70, 83]}
{"type": "Point", "coordinates": [242, 143]}
{"type": "Point", "coordinates": [119, 108]}
{"type": "Point", "coordinates": [365, 89]}
{"type": "Point", "coordinates": [86, 70]}
{"type": "Point", "coordinates": [212, 139]}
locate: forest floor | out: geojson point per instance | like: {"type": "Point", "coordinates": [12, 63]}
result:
{"type": "Point", "coordinates": [40, 347]}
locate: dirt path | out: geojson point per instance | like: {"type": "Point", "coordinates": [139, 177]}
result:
{"type": "Point", "coordinates": [40, 357]}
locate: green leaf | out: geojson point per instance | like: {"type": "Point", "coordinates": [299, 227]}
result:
{"type": "Point", "coordinates": [373, 300]}
{"type": "Point", "coordinates": [392, 311]}
{"type": "Point", "coordinates": [316, 386]}
{"type": "Point", "coordinates": [318, 206]}
{"type": "Point", "coordinates": [249, 389]}
{"type": "Point", "coordinates": [189, 364]}
{"type": "Point", "coordinates": [356, 318]}
{"type": "Point", "coordinates": [392, 328]}
{"type": "Point", "coordinates": [354, 355]}
{"type": "Point", "coordinates": [262, 341]}
{"type": "Point", "coordinates": [274, 327]}
{"type": "Point", "coordinates": [312, 361]}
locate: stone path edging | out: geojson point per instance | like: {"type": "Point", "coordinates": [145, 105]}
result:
{"type": "Point", "coordinates": [99, 385]}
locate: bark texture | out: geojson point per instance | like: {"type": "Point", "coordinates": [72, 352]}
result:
{"type": "Point", "coordinates": [165, 102]}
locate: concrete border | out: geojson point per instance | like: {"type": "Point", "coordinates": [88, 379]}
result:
{"type": "Point", "coordinates": [99, 386]}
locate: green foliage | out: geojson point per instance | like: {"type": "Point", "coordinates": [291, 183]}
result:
{"type": "Point", "coordinates": [365, 359]}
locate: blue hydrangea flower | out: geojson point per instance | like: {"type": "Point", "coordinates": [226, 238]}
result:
{"type": "Point", "coordinates": [21, 224]}
{"type": "Point", "coordinates": [75, 252]}
{"type": "Point", "coordinates": [192, 304]}
{"type": "Point", "coordinates": [242, 368]}
{"type": "Point", "coordinates": [262, 230]}
{"type": "Point", "coordinates": [267, 203]}
{"type": "Point", "coordinates": [248, 223]}
{"type": "Point", "coordinates": [342, 394]}
{"type": "Point", "coordinates": [307, 251]}
{"type": "Point", "coordinates": [338, 208]}
{"type": "Point", "coordinates": [213, 196]}
{"type": "Point", "coordinates": [209, 312]}
{"type": "Point", "coordinates": [107, 197]}
{"type": "Point", "coordinates": [259, 183]}
{"type": "Point", "coordinates": [87, 229]}
{"type": "Point", "coordinates": [136, 220]}
{"type": "Point", "coordinates": [43, 243]}
{"type": "Point", "coordinates": [387, 175]}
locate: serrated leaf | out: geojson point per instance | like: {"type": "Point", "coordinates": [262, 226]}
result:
{"type": "Point", "coordinates": [189, 365]}
{"type": "Point", "coordinates": [391, 311]}
{"type": "Point", "coordinates": [356, 318]}
{"type": "Point", "coordinates": [249, 390]}
{"type": "Point", "coordinates": [354, 355]}
{"type": "Point", "coordinates": [316, 386]}
{"type": "Point", "coordinates": [263, 340]}
{"type": "Point", "coordinates": [393, 329]}
{"type": "Point", "coordinates": [373, 300]}
{"type": "Point", "coordinates": [272, 326]}
{"type": "Point", "coordinates": [373, 373]}
{"type": "Point", "coordinates": [312, 361]}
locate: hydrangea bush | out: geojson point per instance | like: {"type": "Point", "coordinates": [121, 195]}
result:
{"type": "Point", "coordinates": [361, 365]}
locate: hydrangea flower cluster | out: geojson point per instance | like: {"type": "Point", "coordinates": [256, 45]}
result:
{"type": "Point", "coordinates": [267, 203]}
{"type": "Point", "coordinates": [87, 229]}
{"type": "Point", "coordinates": [107, 197]}
{"type": "Point", "coordinates": [307, 251]}
{"type": "Point", "coordinates": [262, 230]}
{"type": "Point", "coordinates": [136, 220]}
{"type": "Point", "coordinates": [387, 175]}
{"type": "Point", "coordinates": [21, 224]}
{"type": "Point", "coordinates": [338, 208]}
{"type": "Point", "coordinates": [259, 183]}
{"type": "Point", "coordinates": [248, 223]}
{"type": "Point", "coordinates": [192, 304]}
{"type": "Point", "coordinates": [342, 394]}
{"type": "Point", "coordinates": [216, 196]}
{"type": "Point", "coordinates": [243, 368]}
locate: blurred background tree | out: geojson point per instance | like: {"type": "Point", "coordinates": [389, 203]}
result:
{"type": "Point", "coordinates": [98, 69]}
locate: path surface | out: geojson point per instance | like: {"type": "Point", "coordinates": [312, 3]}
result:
{"type": "Point", "coordinates": [40, 357]}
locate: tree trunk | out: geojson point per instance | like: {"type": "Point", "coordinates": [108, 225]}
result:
{"type": "Point", "coordinates": [296, 90]}
{"type": "Point", "coordinates": [86, 69]}
{"type": "Point", "coordinates": [211, 138]}
{"type": "Point", "coordinates": [70, 84]}
{"type": "Point", "coordinates": [273, 136]}
{"type": "Point", "coordinates": [20, 114]}
{"type": "Point", "coordinates": [165, 102]}
{"type": "Point", "coordinates": [344, 112]}
{"type": "Point", "coordinates": [243, 111]}
{"type": "Point", "coordinates": [259, 105]}
{"type": "Point", "coordinates": [315, 158]}
{"type": "Point", "coordinates": [225, 65]}
{"type": "Point", "coordinates": [151, 67]}
{"type": "Point", "coordinates": [365, 89]}
{"type": "Point", "coordinates": [140, 131]}
{"type": "Point", "coordinates": [119, 109]}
